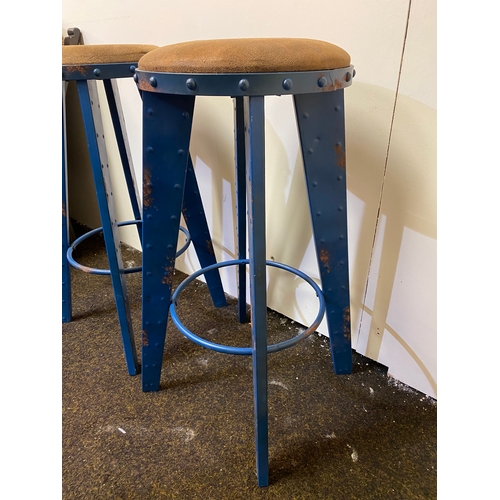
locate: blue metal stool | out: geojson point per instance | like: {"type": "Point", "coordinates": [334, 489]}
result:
{"type": "Point", "coordinates": [315, 73]}
{"type": "Point", "coordinates": [85, 64]}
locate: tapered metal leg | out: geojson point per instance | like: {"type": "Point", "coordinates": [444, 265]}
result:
{"type": "Point", "coordinates": [254, 124]}
{"type": "Point", "coordinates": [116, 111]}
{"type": "Point", "coordinates": [241, 212]}
{"type": "Point", "coordinates": [167, 121]}
{"type": "Point", "coordinates": [66, 275]}
{"type": "Point", "coordinates": [89, 103]}
{"type": "Point", "coordinates": [197, 225]}
{"type": "Point", "coordinates": [320, 119]}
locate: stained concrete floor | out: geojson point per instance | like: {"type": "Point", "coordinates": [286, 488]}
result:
{"type": "Point", "coordinates": [360, 436]}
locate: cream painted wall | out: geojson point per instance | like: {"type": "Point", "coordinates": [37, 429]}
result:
{"type": "Point", "coordinates": [391, 157]}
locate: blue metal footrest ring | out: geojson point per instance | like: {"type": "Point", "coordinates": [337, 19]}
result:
{"type": "Point", "coordinates": [93, 270]}
{"type": "Point", "coordinates": [246, 350]}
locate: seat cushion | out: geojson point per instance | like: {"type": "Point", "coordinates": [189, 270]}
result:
{"type": "Point", "coordinates": [246, 55]}
{"type": "Point", "coordinates": [103, 54]}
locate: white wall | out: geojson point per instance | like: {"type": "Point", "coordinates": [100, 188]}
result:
{"type": "Point", "coordinates": [391, 156]}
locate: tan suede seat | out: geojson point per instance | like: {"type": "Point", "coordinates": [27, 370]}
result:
{"type": "Point", "coordinates": [103, 54]}
{"type": "Point", "coordinates": [246, 55]}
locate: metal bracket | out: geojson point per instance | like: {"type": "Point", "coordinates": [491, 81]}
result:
{"type": "Point", "coordinates": [75, 37]}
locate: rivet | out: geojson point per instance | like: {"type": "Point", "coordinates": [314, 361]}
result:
{"type": "Point", "coordinates": [339, 178]}
{"type": "Point", "coordinates": [153, 82]}
{"type": "Point", "coordinates": [339, 144]}
{"type": "Point", "coordinates": [147, 323]}
{"type": "Point", "coordinates": [97, 72]}
{"type": "Point", "coordinates": [337, 108]}
{"type": "Point", "coordinates": [310, 151]}
{"type": "Point", "coordinates": [191, 84]}
{"type": "Point", "coordinates": [315, 183]}
{"type": "Point", "coordinates": [136, 78]}
{"type": "Point", "coordinates": [305, 115]}
{"type": "Point", "coordinates": [149, 216]}
{"type": "Point", "coordinates": [322, 82]}
{"type": "Point", "coordinates": [149, 273]}
{"type": "Point", "coordinates": [149, 149]}
{"type": "Point", "coordinates": [348, 77]}
{"type": "Point", "coordinates": [149, 246]}
{"type": "Point", "coordinates": [150, 111]}
{"type": "Point", "coordinates": [177, 186]}
{"type": "Point", "coordinates": [132, 69]}
{"type": "Point", "coordinates": [318, 213]}
{"type": "Point", "coordinates": [287, 84]}
{"type": "Point", "coordinates": [169, 247]}
{"type": "Point", "coordinates": [185, 115]}
{"type": "Point", "coordinates": [173, 217]}
{"type": "Point", "coordinates": [244, 84]}
{"type": "Point", "coordinates": [180, 152]}
{"type": "Point", "coordinates": [341, 208]}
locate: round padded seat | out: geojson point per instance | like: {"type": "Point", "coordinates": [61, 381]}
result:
{"type": "Point", "coordinates": [246, 55]}
{"type": "Point", "coordinates": [103, 54]}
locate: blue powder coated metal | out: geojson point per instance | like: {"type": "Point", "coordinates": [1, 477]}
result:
{"type": "Point", "coordinates": [85, 77]}
{"type": "Point", "coordinates": [66, 274]}
{"type": "Point", "coordinates": [320, 119]}
{"type": "Point", "coordinates": [168, 105]}
{"type": "Point", "coordinates": [167, 124]}
{"type": "Point", "coordinates": [107, 272]}
{"type": "Point", "coordinates": [256, 200]}
{"type": "Point", "coordinates": [245, 351]}
{"type": "Point", "coordinates": [241, 205]}
{"type": "Point", "coordinates": [89, 102]}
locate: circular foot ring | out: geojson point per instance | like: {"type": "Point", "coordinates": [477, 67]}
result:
{"type": "Point", "coordinates": [93, 270]}
{"type": "Point", "coordinates": [246, 350]}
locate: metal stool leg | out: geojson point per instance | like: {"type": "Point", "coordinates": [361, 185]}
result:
{"type": "Point", "coordinates": [116, 111]}
{"type": "Point", "coordinates": [320, 118]}
{"type": "Point", "coordinates": [254, 125]}
{"type": "Point", "coordinates": [66, 275]}
{"type": "Point", "coordinates": [167, 121]}
{"type": "Point", "coordinates": [194, 215]}
{"type": "Point", "coordinates": [89, 103]}
{"type": "Point", "coordinates": [241, 212]}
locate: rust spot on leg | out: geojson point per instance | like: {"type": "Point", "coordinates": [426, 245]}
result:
{"type": "Point", "coordinates": [64, 210]}
{"type": "Point", "coordinates": [147, 188]}
{"type": "Point", "coordinates": [210, 247]}
{"type": "Point", "coordinates": [346, 323]}
{"type": "Point", "coordinates": [144, 338]}
{"type": "Point", "coordinates": [168, 276]}
{"type": "Point", "coordinates": [339, 149]}
{"type": "Point", "coordinates": [324, 257]}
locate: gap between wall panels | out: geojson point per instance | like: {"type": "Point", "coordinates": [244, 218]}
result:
{"type": "Point", "coordinates": [375, 232]}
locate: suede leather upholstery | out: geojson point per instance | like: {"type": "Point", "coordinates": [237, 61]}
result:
{"type": "Point", "coordinates": [103, 54]}
{"type": "Point", "coordinates": [246, 55]}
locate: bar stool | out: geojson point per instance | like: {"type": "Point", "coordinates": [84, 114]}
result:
{"type": "Point", "coordinates": [86, 64]}
{"type": "Point", "coordinates": [314, 73]}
